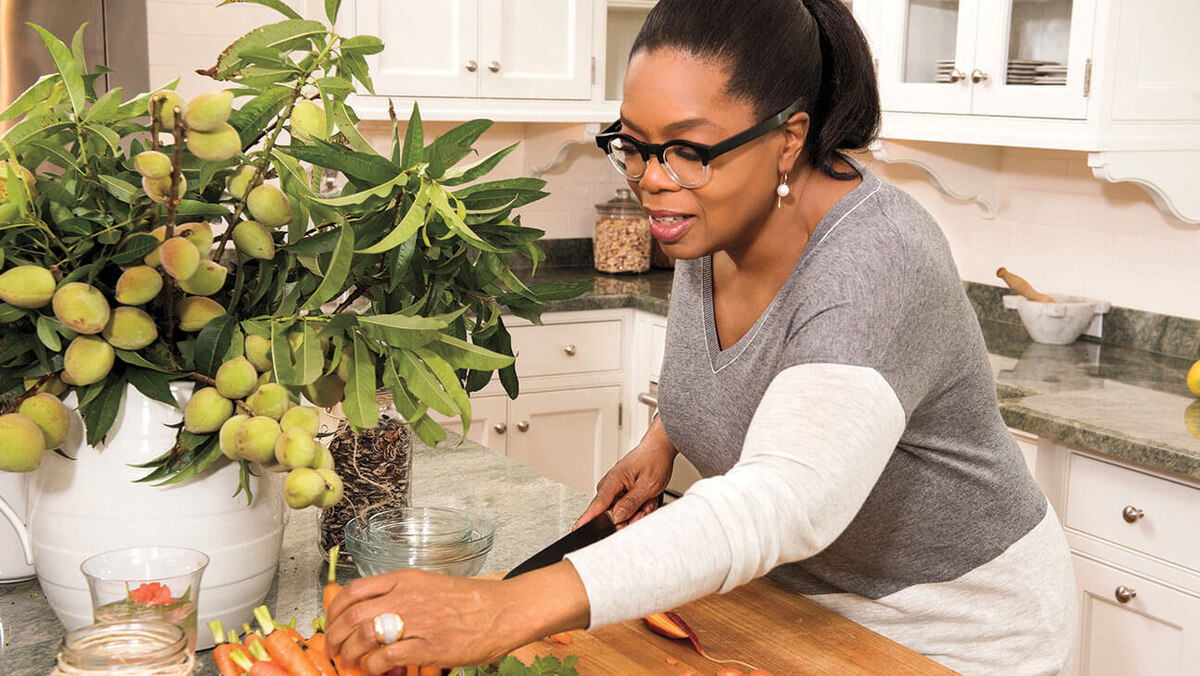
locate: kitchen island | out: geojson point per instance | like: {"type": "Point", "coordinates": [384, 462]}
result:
{"type": "Point", "coordinates": [530, 512]}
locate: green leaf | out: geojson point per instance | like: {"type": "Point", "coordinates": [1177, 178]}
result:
{"type": "Point", "coordinates": [153, 384]}
{"type": "Point", "coordinates": [135, 359]}
{"type": "Point", "coordinates": [336, 273]}
{"type": "Point", "coordinates": [508, 374]}
{"type": "Point", "coordinates": [421, 381]}
{"type": "Point", "coordinates": [72, 74]}
{"type": "Point", "coordinates": [108, 136]}
{"type": "Point", "coordinates": [32, 128]}
{"type": "Point", "coordinates": [258, 112]}
{"type": "Point", "coordinates": [461, 354]}
{"type": "Point", "coordinates": [447, 149]}
{"type": "Point", "coordinates": [439, 198]}
{"type": "Point", "coordinates": [122, 190]}
{"type": "Point", "coordinates": [414, 219]}
{"type": "Point", "coordinates": [47, 332]}
{"type": "Point", "coordinates": [414, 140]}
{"type": "Point", "coordinates": [362, 44]}
{"type": "Point", "coordinates": [135, 248]}
{"type": "Point", "coordinates": [370, 168]}
{"type": "Point", "coordinates": [310, 362]}
{"type": "Point", "coordinates": [281, 354]}
{"type": "Point", "coordinates": [450, 383]}
{"type": "Point", "coordinates": [335, 87]}
{"type": "Point", "coordinates": [213, 342]}
{"type": "Point", "coordinates": [356, 64]}
{"type": "Point", "coordinates": [276, 5]}
{"type": "Point", "coordinates": [382, 190]}
{"type": "Point", "coordinates": [359, 402]}
{"type": "Point", "coordinates": [102, 410]}
{"type": "Point", "coordinates": [331, 10]}
{"type": "Point", "coordinates": [341, 116]}
{"type": "Point", "coordinates": [470, 172]}
{"type": "Point", "coordinates": [105, 107]}
{"type": "Point", "coordinates": [271, 35]}
{"type": "Point", "coordinates": [29, 98]}
{"type": "Point", "coordinates": [198, 208]}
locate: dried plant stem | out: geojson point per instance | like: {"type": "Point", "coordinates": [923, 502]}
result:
{"type": "Point", "coordinates": [27, 393]}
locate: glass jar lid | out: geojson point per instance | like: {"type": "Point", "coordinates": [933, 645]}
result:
{"type": "Point", "coordinates": [621, 206]}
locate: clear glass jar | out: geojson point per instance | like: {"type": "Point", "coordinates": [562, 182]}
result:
{"type": "Point", "coordinates": [134, 648]}
{"type": "Point", "coordinates": [376, 470]}
{"type": "Point", "coordinates": [622, 238]}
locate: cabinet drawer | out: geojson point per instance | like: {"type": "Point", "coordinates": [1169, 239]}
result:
{"type": "Point", "coordinates": [1099, 494]}
{"type": "Point", "coordinates": [567, 349]}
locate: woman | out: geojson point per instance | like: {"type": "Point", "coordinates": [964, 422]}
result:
{"type": "Point", "coordinates": [823, 369]}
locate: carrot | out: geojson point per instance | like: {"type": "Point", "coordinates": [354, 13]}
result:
{"type": "Point", "coordinates": [428, 671]}
{"type": "Point", "coordinates": [252, 637]}
{"type": "Point", "coordinates": [282, 648]}
{"type": "Point", "coordinates": [562, 638]}
{"type": "Point", "coordinates": [291, 633]}
{"type": "Point", "coordinates": [319, 657]}
{"type": "Point", "coordinates": [259, 668]}
{"type": "Point", "coordinates": [412, 671]}
{"type": "Point", "coordinates": [331, 586]}
{"type": "Point", "coordinates": [223, 652]}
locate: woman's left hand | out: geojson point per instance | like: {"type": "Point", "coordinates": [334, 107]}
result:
{"type": "Point", "coordinates": [448, 621]}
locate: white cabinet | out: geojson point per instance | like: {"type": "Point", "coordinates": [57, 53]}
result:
{"type": "Point", "coordinates": [1137, 564]}
{"type": "Point", "coordinates": [568, 422]}
{"type": "Point", "coordinates": [1132, 626]}
{"type": "Point", "coordinates": [516, 49]}
{"type": "Point", "coordinates": [567, 435]}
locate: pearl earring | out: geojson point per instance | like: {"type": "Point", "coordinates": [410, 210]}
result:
{"type": "Point", "coordinates": [782, 190]}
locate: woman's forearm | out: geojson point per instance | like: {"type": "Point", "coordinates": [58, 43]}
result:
{"type": "Point", "coordinates": [546, 601]}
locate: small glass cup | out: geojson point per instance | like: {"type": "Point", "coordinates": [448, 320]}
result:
{"type": "Point", "coordinates": [147, 583]}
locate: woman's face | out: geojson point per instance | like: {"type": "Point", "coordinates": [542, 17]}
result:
{"type": "Point", "coordinates": [672, 95]}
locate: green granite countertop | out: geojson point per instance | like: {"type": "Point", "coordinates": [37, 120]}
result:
{"type": "Point", "coordinates": [530, 512]}
{"type": "Point", "coordinates": [1124, 403]}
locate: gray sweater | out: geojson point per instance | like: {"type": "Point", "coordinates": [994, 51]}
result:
{"type": "Point", "coordinates": [855, 453]}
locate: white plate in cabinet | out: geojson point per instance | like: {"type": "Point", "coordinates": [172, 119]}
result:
{"type": "Point", "coordinates": [1133, 509]}
{"type": "Point", "coordinates": [1130, 626]}
{"type": "Point", "coordinates": [567, 349]}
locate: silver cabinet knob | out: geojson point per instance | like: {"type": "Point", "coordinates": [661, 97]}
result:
{"type": "Point", "coordinates": [978, 76]}
{"type": "Point", "coordinates": [523, 426]}
{"type": "Point", "coordinates": [570, 350]}
{"type": "Point", "coordinates": [494, 66]}
{"type": "Point", "coordinates": [957, 75]}
{"type": "Point", "coordinates": [500, 428]}
{"type": "Point", "coordinates": [1131, 514]}
{"type": "Point", "coordinates": [472, 66]}
{"type": "Point", "coordinates": [1125, 594]}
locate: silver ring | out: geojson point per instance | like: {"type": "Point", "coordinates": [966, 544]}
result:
{"type": "Point", "coordinates": [388, 628]}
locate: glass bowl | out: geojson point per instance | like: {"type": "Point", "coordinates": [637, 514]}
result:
{"type": "Point", "coordinates": [421, 538]}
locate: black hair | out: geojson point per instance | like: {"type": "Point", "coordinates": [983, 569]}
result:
{"type": "Point", "coordinates": [778, 51]}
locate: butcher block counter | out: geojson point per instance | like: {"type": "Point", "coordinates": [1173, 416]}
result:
{"type": "Point", "coordinates": [757, 623]}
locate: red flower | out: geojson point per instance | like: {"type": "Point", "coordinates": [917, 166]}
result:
{"type": "Point", "coordinates": [151, 594]}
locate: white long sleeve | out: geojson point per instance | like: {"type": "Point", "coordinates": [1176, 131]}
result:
{"type": "Point", "coordinates": [816, 445]}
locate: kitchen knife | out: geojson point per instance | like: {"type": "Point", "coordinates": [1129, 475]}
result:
{"type": "Point", "coordinates": [593, 531]}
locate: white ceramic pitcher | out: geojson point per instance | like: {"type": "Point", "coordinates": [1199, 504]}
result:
{"type": "Point", "coordinates": [77, 508]}
{"type": "Point", "coordinates": [16, 555]}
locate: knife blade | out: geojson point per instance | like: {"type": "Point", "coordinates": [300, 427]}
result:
{"type": "Point", "coordinates": [593, 531]}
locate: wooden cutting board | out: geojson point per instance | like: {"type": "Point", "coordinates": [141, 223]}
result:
{"type": "Point", "coordinates": [758, 623]}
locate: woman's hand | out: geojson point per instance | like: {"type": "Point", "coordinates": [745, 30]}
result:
{"type": "Point", "coordinates": [632, 487]}
{"type": "Point", "coordinates": [452, 621]}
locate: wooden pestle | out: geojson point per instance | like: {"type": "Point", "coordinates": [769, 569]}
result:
{"type": "Point", "coordinates": [1018, 284]}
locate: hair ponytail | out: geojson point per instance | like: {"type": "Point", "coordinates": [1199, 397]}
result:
{"type": "Point", "coordinates": [846, 114]}
{"type": "Point", "coordinates": [778, 51]}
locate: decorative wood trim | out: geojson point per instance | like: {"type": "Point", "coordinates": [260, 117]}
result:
{"type": "Point", "coordinates": [880, 151]}
{"type": "Point", "coordinates": [1168, 175]}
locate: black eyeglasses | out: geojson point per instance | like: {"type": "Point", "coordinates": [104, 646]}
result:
{"type": "Point", "coordinates": [686, 162]}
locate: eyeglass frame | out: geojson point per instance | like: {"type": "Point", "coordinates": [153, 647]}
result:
{"type": "Point", "coordinates": [707, 153]}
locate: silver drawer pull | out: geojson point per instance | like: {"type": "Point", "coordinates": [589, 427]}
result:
{"type": "Point", "coordinates": [1125, 594]}
{"type": "Point", "coordinates": [1131, 514]}
{"type": "Point", "coordinates": [523, 426]}
{"type": "Point", "coordinates": [645, 398]}
{"type": "Point", "coordinates": [500, 428]}
{"type": "Point", "coordinates": [570, 350]}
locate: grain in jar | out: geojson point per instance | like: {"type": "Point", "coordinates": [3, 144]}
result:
{"type": "Point", "coordinates": [622, 238]}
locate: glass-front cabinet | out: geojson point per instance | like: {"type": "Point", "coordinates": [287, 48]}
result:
{"type": "Point", "coordinates": [1027, 58]}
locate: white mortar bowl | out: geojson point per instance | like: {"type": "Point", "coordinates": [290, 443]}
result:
{"type": "Point", "coordinates": [1056, 323]}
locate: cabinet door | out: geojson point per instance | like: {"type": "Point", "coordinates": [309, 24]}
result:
{"type": "Point", "coordinates": [430, 48]}
{"type": "Point", "coordinates": [567, 435]}
{"type": "Point", "coordinates": [925, 49]}
{"type": "Point", "coordinates": [1031, 58]}
{"type": "Point", "coordinates": [489, 424]}
{"type": "Point", "coordinates": [536, 49]}
{"type": "Point", "coordinates": [1154, 633]}
{"type": "Point", "coordinates": [1155, 73]}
